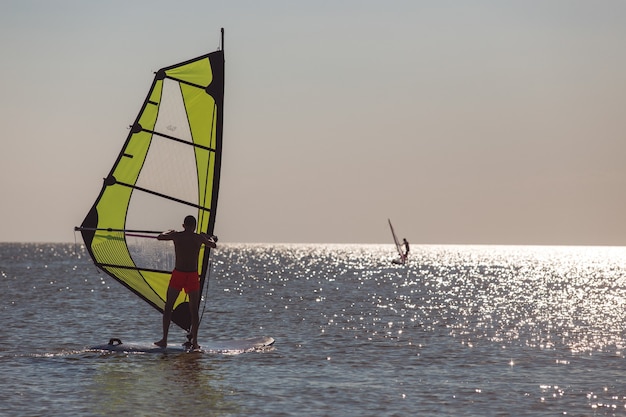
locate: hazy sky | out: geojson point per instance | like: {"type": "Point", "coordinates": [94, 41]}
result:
{"type": "Point", "coordinates": [482, 122]}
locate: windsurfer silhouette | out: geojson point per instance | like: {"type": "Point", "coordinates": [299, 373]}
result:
{"type": "Point", "coordinates": [406, 247]}
{"type": "Point", "coordinates": [187, 244]}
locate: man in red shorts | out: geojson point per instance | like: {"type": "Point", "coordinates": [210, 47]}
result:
{"type": "Point", "coordinates": [185, 276]}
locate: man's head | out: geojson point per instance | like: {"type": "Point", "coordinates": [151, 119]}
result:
{"type": "Point", "coordinates": [190, 223]}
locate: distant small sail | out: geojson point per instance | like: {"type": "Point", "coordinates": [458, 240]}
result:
{"type": "Point", "coordinates": [168, 168]}
{"type": "Point", "coordinates": [397, 242]}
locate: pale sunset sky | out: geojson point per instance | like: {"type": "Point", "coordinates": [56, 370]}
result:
{"type": "Point", "coordinates": [465, 122]}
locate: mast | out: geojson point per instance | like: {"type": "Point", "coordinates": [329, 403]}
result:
{"type": "Point", "coordinates": [219, 103]}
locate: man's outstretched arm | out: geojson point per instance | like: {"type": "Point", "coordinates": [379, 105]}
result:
{"type": "Point", "coordinates": [169, 235]}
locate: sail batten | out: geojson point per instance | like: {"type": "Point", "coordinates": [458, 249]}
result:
{"type": "Point", "coordinates": [169, 197]}
{"type": "Point", "coordinates": [134, 268]}
{"type": "Point", "coordinates": [108, 229]}
{"type": "Point", "coordinates": [168, 167]}
{"type": "Point", "coordinates": [166, 136]}
{"type": "Point", "coordinates": [201, 87]}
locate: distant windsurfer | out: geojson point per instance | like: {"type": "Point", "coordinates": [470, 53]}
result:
{"type": "Point", "coordinates": [185, 276]}
{"type": "Point", "coordinates": [406, 249]}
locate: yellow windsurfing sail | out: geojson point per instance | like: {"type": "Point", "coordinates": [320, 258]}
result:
{"type": "Point", "coordinates": [168, 168]}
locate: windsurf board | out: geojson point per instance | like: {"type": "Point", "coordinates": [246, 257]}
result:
{"type": "Point", "coordinates": [233, 346]}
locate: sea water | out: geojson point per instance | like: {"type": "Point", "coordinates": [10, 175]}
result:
{"type": "Point", "coordinates": [460, 330]}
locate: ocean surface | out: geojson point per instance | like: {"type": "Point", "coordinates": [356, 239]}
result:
{"type": "Point", "coordinates": [459, 331]}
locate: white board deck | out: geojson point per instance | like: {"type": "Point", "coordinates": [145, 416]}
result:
{"type": "Point", "coordinates": [234, 346]}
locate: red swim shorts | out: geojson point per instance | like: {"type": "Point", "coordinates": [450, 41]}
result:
{"type": "Point", "coordinates": [189, 281]}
